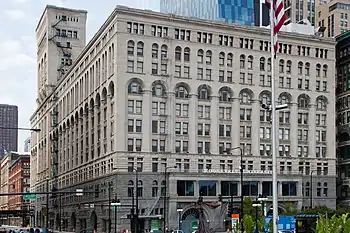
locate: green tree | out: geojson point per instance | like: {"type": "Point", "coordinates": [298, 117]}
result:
{"type": "Point", "coordinates": [248, 223]}
{"type": "Point", "coordinates": [290, 209]}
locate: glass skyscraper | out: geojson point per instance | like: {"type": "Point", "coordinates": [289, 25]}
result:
{"type": "Point", "coordinates": [241, 12]}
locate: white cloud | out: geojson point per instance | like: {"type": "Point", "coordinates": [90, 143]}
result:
{"type": "Point", "coordinates": [20, 1]}
{"type": "Point", "coordinates": [14, 55]}
{"type": "Point", "coordinates": [14, 14]}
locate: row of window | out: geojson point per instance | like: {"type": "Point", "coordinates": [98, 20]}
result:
{"type": "Point", "coordinates": [225, 94]}
{"type": "Point", "coordinates": [226, 40]}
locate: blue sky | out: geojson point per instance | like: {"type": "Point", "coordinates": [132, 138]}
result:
{"type": "Point", "coordinates": [19, 19]}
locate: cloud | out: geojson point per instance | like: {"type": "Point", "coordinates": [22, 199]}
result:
{"type": "Point", "coordinates": [14, 14]}
{"type": "Point", "coordinates": [14, 56]}
{"type": "Point", "coordinates": [21, 1]}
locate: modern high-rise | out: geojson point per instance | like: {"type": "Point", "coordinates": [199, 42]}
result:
{"type": "Point", "coordinates": [335, 17]}
{"type": "Point", "coordinates": [152, 91]}
{"type": "Point", "coordinates": [297, 10]}
{"type": "Point", "coordinates": [244, 12]}
{"type": "Point", "coordinates": [343, 118]}
{"type": "Point", "coordinates": [8, 128]}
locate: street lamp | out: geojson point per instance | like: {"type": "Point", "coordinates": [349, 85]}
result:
{"type": "Point", "coordinates": [256, 205]}
{"type": "Point", "coordinates": [263, 199]}
{"type": "Point", "coordinates": [179, 211]}
{"type": "Point", "coordinates": [116, 203]}
{"type": "Point", "coordinates": [27, 129]}
{"type": "Point", "coordinates": [241, 172]}
{"type": "Point", "coordinates": [135, 217]}
{"type": "Point", "coordinates": [165, 195]}
{"type": "Point", "coordinates": [311, 187]}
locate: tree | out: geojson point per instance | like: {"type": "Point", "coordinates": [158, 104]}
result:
{"type": "Point", "coordinates": [248, 223]}
{"type": "Point", "coordinates": [290, 209]}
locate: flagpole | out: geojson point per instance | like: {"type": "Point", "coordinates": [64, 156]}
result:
{"type": "Point", "coordinates": [273, 113]}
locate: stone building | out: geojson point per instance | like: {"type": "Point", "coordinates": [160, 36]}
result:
{"type": "Point", "coordinates": [152, 91]}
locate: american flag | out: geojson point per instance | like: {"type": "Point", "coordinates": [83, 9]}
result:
{"type": "Point", "coordinates": [278, 19]}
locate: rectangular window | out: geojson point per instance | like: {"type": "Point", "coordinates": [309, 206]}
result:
{"type": "Point", "coordinates": [185, 188]}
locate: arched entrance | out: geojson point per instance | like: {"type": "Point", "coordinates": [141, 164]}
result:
{"type": "Point", "coordinates": [189, 220]}
{"type": "Point", "coordinates": [73, 222]}
{"type": "Point", "coordinates": [93, 221]}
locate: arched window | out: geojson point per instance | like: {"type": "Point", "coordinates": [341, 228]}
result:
{"type": "Point", "coordinates": [262, 64]}
{"type": "Point", "coordinates": [325, 69]}
{"type": "Point", "coordinates": [307, 69]}
{"type": "Point", "coordinates": [318, 70]}
{"type": "Point", "coordinates": [245, 98]}
{"type": "Point", "coordinates": [222, 59]}
{"type": "Point", "coordinates": [158, 90]}
{"type": "Point", "coordinates": [131, 47]}
{"type": "Point", "coordinates": [303, 101]}
{"type": "Point", "coordinates": [300, 68]}
{"type": "Point", "coordinates": [321, 104]}
{"type": "Point", "coordinates": [155, 51]}
{"type": "Point", "coordinates": [187, 54]}
{"type": "Point", "coordinates": [154, 188]}
{"type": "Point", "coordinates": [162, 188]}
{"type": "Point", "coordinates": [178, 53]}
{"type": "Point", "coordinates": [203, 93]}
{"type": "Point", "coordinates": [269, 65]}
{"type": "Point", "coordinates": [250, 62]}
{"type": "Point", "coordinates": [140, 46]}
{"type": "Point", "coordinates": [283, 99]}
{"type": "Point", "coordinates": [200, 55]}
{"type": "Point", "coordinates": [140, 189]}
{"type": "Point", "coordinates": [242, 61]}
{"type": "Point", "coordinates": [134, 88]}
{"type": "Point", "coordinates": [265, 98]}
{"type": "Point", "coordinates": [164, 52]}
{"type": "Point", "coordinates": [208, 56]}
{"type": "Point", "coordinates": [130, 188]}
{"type": "Point", "coordinates": [229, 59]}
{"type": "Point", "coordinates": [225, 94]}
{"type": "Point", "coordinates": [181, 92]}
{"type": "Point", "coordinates": [281, 66]}
{"type": "Point", "coordinates": [289, 67]}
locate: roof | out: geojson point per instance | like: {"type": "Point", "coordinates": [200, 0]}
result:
{"type": "Point", "coordinates": [58, 8]}
{"type": "Point", "coordinates": [343, 36]}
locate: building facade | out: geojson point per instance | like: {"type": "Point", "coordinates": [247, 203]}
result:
{"type": "Point", "coordinates": [335, 17]}
{"type": "Point", "coordinates": [152, 90]}
{"type": "Point", "coordinates": [19, 182]}
{"type": "Point", "coordinates": [343, 74]}
{"type": "Point", "coordinates": [8, 128]}
{"type": "Point", "coordinates": [27, 145]}
{"type": "Point", "coordinates": [244, 12]}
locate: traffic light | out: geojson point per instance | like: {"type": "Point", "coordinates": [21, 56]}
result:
{"type": "Point", "coordinates": [220, 198]}
{"type": "Point", "coordinates": [97, 192]}
{"type": "Point", "coordinates": [230, 207]}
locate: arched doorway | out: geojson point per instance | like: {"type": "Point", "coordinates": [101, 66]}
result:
{"type": "Point", "coordinates": [73, 222]}
{"type": "Point", "coordinates": [189, 220]}
{"type": "Point", "coordinates": [93, 221]}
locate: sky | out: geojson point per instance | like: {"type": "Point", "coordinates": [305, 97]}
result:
{"type": "Point", "coordinates": [19, 19]}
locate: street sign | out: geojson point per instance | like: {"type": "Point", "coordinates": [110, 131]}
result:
{"type": "Point", "coordinates": [116, 207]}
{"type": "Point", "coordinates": [29, 196]}
{"type": "Point", "coordinates": [79, 192]}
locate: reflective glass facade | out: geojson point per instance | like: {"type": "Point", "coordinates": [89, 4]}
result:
{"type": "Point", "coordinates": [234, 11]}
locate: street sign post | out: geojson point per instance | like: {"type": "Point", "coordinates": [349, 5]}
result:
{"type": "Point", "coordinates": [29, 196]}
{"type": "Point", "coordinates": [79, 192]}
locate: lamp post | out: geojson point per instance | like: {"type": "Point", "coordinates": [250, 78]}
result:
{"type": "Point", "coordinates": [116, 203]}
{"type": "Point", "coordinates": [263, 199]}
{"type": "Point", "coordinates": [135, 207]}
{"type": "Point", "coordinates": [47, 204]}
{"type": "Point", "coordinates": [109, 206]}
{"type": "Point", "coordinates": [241, 172]}
{"type": "Point", "coordinates": [256, 205]}
{"type": "Point", "coordinates": [179, 211]}
{"type": "Point", "coordinates": [311, 187]}
{"type": "Point", "coordinates": [165, 196]}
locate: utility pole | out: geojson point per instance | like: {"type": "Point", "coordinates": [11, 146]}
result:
{"type": "Point", "coordinates": [47, 204]}
{"type": "Point", "coordinates": [109, 207]}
